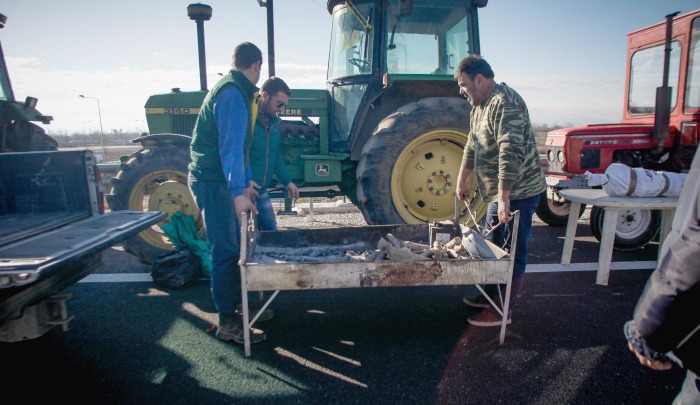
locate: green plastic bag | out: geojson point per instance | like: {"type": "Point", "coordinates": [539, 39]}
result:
{"type": "Point", "coordinates": [182, 232]}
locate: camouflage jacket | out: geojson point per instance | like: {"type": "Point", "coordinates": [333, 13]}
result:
{"type": "Point", "coordinates": [501, 148]}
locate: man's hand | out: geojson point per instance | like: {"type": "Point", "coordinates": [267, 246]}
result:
{"type": "Point", "coordinates": [244, 204]}
{"type": "Point", "coordinates": [293, 191]}
{"type": "Point", "coordinates": [463, 192]}
{"type": "Point", "coordinates": [504, 214]}
{"type": "Point", "coordinates": [251, 193]}
{"type": "Point", "coordinates": [661, 364]}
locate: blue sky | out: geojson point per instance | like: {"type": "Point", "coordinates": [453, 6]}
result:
{"type": "Point", "coordinates": [566, 58]}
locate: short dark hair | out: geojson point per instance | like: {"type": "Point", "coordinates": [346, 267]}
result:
{"type": "Point", "coordinates": [274, 85]}
{"type": "Point", "coordinates": [473, 65]}
{"type": "Point", "coordinates": [245, 55]}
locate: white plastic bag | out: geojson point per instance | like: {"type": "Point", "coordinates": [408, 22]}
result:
{"type": "Point", "coordinates": [621, 180]}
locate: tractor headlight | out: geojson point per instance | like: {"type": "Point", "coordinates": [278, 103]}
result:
{"type": "Point", "coordinates": [560, 156]}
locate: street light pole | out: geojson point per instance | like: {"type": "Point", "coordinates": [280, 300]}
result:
{"type": "Point", "coordinates": [102, 132]}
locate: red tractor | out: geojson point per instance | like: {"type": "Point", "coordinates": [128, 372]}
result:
{"type": "Point", "coordinates": [659, 129]}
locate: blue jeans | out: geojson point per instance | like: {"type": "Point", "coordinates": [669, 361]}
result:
{"type": "Point", "coordinates": [266, 214]}
{"type": "Point", "coordinates": [501, 236]}
{"type": "Point", "coordinates": [223, 234]}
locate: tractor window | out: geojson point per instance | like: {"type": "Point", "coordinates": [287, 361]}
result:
{"type": "Point", "coordinates": [692, 91]}
{"type": "Point", "coordinates": [346, 101]}
{"type": "Point", "coordinates": [429, 39]}
{"type": "Point", "coordinates": [646, 74]}
{"type": "Point", "coordinates": [351, 41]}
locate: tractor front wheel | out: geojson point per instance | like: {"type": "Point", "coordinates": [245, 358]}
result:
{"type": "Point", "coordinates": [634, 228]}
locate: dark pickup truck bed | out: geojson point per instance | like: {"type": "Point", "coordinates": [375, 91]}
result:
{"type": "Point", "coordinates": [52, 233]}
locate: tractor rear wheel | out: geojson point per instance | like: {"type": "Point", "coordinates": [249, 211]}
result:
{"type": "Point", "coordinates": [154, 179]}
{"type": "Point", "coordinates": [634, 228]}
{"type": "Point", "coordinates": [409, 167]}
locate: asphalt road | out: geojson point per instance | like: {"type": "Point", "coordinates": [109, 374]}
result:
{"type": "Point", "coordinates": [134, 342]}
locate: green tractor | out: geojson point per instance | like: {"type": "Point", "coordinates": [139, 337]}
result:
{"type": "Point", "coordinates": [387, 132]}
{"type": "Point", "coordinates": [17, 132]}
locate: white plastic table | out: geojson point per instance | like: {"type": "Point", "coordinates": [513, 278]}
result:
{"type": "Point", "coordinates": [611, 207]}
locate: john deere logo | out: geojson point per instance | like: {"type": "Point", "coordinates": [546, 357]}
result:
{"type": "Point", "coordinates": [322, 170]}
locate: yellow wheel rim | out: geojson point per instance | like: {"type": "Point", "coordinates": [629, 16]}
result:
{"type": "Point", "coordinates": [424, 179]}
{"type": "Point", "coordinates": [164, 191]}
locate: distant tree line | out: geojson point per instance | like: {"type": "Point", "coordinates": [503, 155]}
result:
{"type": "Point", "coordinates": [114, 137]}
{"type": "Point", "coordinates": [549, 127]}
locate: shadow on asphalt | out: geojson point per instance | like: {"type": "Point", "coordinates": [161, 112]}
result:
{"type": "Point", "coordinates": [138, 343]}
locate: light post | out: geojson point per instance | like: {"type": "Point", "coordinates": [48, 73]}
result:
{"type": "Point", "coordinates": [85, 131]}
{"type": "Point", "coordinates": [102, 133]}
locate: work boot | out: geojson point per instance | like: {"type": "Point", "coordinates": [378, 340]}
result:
{"type": "Point", "coordinates": [231, 328]}
{"type": "Point", "coordinates": [479, 301]}
{"type": "Point", "coordinates": [252, 312]}
{"type": "Point", "coordinates": [490, 316]}
{"type": "Point", "coordinates": [487, 317]}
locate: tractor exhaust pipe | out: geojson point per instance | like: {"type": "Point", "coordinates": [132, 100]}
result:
{"type": "Point", "coordinates": [662, 112]}
{"type": "Point", "coordinates": [199, 13]}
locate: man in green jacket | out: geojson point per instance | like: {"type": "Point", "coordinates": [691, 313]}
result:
{"type": "Point", "coordinates": [501, 152]}
{"type": "Point", "coordinates": [219, 179]}
{"type": "Point", "coordinates": [266, 158]}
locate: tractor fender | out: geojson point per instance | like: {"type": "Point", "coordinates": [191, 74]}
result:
{"type": "Point", "coordinates": [176, 139]}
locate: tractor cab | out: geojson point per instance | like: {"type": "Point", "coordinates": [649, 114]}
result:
{"type": "Point", "coordinates": [412, 46]}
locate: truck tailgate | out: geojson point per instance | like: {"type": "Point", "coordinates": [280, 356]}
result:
{"type": "Point", "coordinates": [25, 261]}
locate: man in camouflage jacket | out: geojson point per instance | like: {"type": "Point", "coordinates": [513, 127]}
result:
{"type": "Point", "coordinates": [501, 152]}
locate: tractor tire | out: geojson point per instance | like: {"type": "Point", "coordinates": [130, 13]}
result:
{"type": "Point", "coordinates": [554, 213]}
{"type": "Point", "coordinates": [154, 179]}
{"type": "Point", "coordinates": [635, 227]}
{"type": "Point", "coordinates": [409, 167]}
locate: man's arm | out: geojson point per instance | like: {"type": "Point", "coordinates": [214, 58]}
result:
{"type": "Point", "coordinates": [509, 125]}
{"type": "Point", "coordinates": [667, 309]}
{"type": "Point", "coordinates": [666, 315]}
{"type": "Point", "coordinates": [231, 115]}
{"type": "Point", "coordinates": [281, 171]}
{"type": "Point", "coordinates": [463, 191]}
{"type": "Point", "coordinates": [465, 169]}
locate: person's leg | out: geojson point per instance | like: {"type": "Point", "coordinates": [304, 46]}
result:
{"type": "Point", "coordinates": [222, 232]}
{"type": "Point", "coordinates": [221, 224]}
{"type": "Point", "coordinates": [266, 219]}
{"type": "Point", "coordinates": [526, 207]}
{"type": "Point", "coordinates": [497, 238]}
